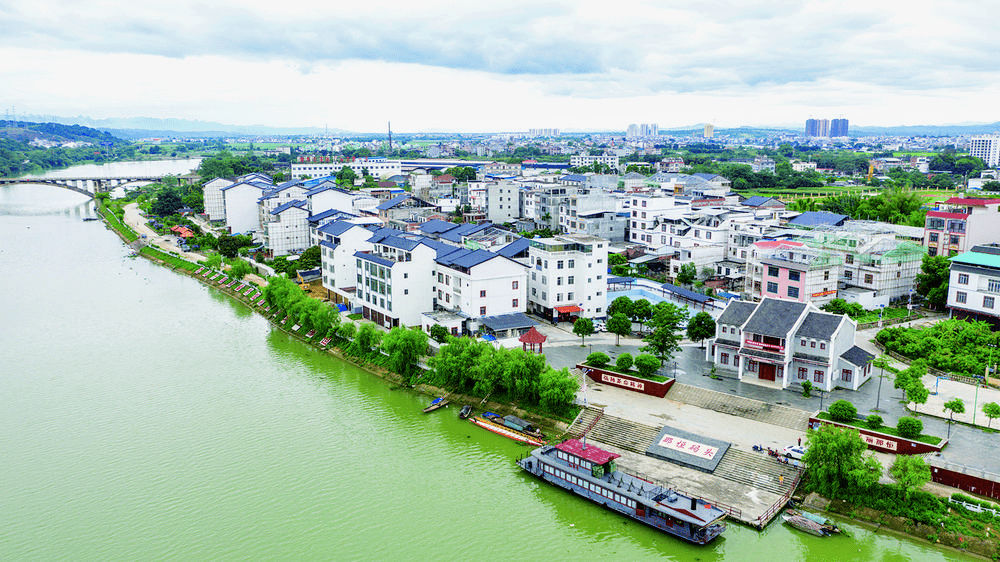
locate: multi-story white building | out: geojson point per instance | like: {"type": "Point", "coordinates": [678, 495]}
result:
{"type": "Point", "coordinates": [277, 196]}
{"type": "Point", "coordinates": [582, 160]}
{"type": "Point", "coordinates": [961, 223]}
{"type": "Point", "coordinates": [784, 343]}
{"type": "Point", "coordinates": [594, 213]}
{"type": "Point", "coordinates": [241, 203]}
{"type": "Point", "coordinates": [215, 204]}
{"type": "Point", "coordinates": [478, 283]}
{"type": "Point", "coordinates": [986, 148]}
{"type": "Point", "coordinates": [503, 201]}
{"type": "Point", "coordinates": [567, 276]}
{"type": "Point", "coordinates": [790, 270]}
{"type": "Point", "coordinates": [974, 285]}
{"type": "Point", "coordinates": [395, 279]}
{"type": "Point", "coordinates": [287, 231]}
{"type": "Point", "coordinates": [338, 241]}
{"type": "Point", "coordinates": [378, 167]}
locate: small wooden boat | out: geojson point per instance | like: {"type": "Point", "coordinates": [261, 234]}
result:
{"type": "Point", "coordinates": [827, 524]}
{"type": "Point", "coordinates": [466, 412]}
{"type": "Point", "coordinates": [805, 525]}
{"type": "Point", "coordinates": [511, 427]}
{"type": "Point", "coordinates": [435, 404]}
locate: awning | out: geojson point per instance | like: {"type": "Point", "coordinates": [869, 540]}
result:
{"type": "Point", "coordinates": [568, 309]}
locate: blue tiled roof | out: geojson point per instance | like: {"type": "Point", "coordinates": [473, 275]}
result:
{"type": "Point", "coordinates": [325, 186]}
{"type": "Point", "coordinates": [437, 226]}
{"type": "Point", "coordinates": [456, 234]}
{"type": "Point", "coordinates": [507, 321]}
{"type": "Point", "coordinates": [299, 203]}
{"type": "Point", "coordinates": [374, 259]}
{"type": "Point", "coordinates": [817, 218]}
{"type": "Point", "coordinates": [393, 202]}
{"type": "Point", "coordinates": [574, 177]}
{"type": "Point", "coordinates": [755, 201]}
{"type": "Point", "coordinates": [617, 280]}
{"type": "Point", "coordinates": [336, 213]}
{"type": "Point", "coordinates": [400, 242]}
{"type": "Point", "coordinates": [466, 258]}
{"type": "Point", "coordinates": [514, 248]}
{"type": "Point", "coordinates": [330, 245]}
{"type": "Point", "coordinates": [336, 228]}
{"type": "Point", "coordinates": [684, 293]}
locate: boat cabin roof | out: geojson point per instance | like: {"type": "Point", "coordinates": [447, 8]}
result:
{"type": "Point", "coordinates": [591, 453]}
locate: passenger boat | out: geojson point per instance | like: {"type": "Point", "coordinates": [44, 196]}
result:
{"type": "Point", "coordinates": [828, 525]}
{"type": "Point", "coordinates": [590, 472]}
{"type": "Point", "coordinates": [803, 524]}
{"type": "Point", "coordinates": [466, 411]}
{"type": "Point", "coordinates": [435, 404]}
{"type": "Point", "coordinates": [511, 427]}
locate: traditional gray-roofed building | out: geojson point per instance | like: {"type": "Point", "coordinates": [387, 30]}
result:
{"type": "Point", "coordinates": [786, 342]}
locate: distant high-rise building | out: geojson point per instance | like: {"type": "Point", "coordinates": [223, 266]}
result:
{"type": "Point", "coordinates": [817, 127]}
{"type": "Point", "coordinates": [534, 133]}
{"type": "Point", "coordinates": [986, 148]}
{"type": "Point", "coordinates": [642, 131]}
{"type": "Point", "coordinates": [709, 131]}
{"type": "Point", "coordinates": [838, 128]}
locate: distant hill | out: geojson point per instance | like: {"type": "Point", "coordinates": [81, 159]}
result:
{"type": "Point", "coordinates": [138, 127]}
{"type": "Point", "coordinates": [926, 130]}
{"type": "Point", "coordinates": [26, 132]}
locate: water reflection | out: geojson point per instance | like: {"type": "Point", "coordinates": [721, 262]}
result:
{"type": "Point", "coordinates": [28, 200]}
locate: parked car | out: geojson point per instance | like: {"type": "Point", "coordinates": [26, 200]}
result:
{"type": "Point", "coordinates": [795, 451]}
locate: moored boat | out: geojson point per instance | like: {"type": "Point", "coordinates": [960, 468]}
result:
{"type": "Point", "coordinates": [466, 411]}
{"type": "Point", "coordinates": [435, 404]}
{"type": "Point", "coordinates": [828, 525]}
{"type": "Point", "coordinates": [803, 524]}
{"type": "Point", "coordinates": [511, 427]}
{"type": "Point", "coordinates": [590, 472]}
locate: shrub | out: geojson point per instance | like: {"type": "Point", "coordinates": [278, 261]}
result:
{"type": "Point", "coordinates": [909, 427]}
{"type": "Point", "coordinates": [647, 364]}
{"type": "Point", "coordinates": [873, 421]}
{"type": "Point", "coordinates": [598, 359]}
{"type": "Point", "coordinates": [843, 411]}
{"type": "Point", "coordinates": [806, 388]}
{"type": "Point", "coordinates": [624, 362]}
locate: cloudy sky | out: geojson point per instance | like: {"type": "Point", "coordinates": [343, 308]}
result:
{"type": "Point", "coordinates": [503, 65]}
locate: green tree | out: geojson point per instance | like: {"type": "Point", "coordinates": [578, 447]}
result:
{"type": "Point", "coordinates": [619, 325]}
{"type": "Point", "coordinates": [873, 421]}
{"type": "Point", "coordinates": [621, 305]}
{"type": "Point", "coordinates": [347, 330]}
{"type": "Point", "coordinates": [932, 282]}
{"type": "Point", "coordinates": [910, 472]}
{"type": "Point", "coordinates": [617, 259]}
{"type": "Point", "coordinates": [991, 185]}
{"type": "Point", "coordinates": [624, 362]}
{"type": "Point", "coordinates": [166, 203]}
{"type": "Point", "coordinates": [665, 339]}
{"type": "Point", "coordinates": [640, 312]}
{"type": "Point", "coordinates": [954, 406]}
{"type": "Point", "coordinates": [598, 359]}
{"type": "Point", "coordinates": [687, 274]}
{"type": "Point", "coordinates": [365, 341]}
{"type": "Point", "coordinates": [310, 258]}
{"type": "Point", "coordinates": [405, 348]}
{"type": "Point", "coordinates": [836, 461]}
{"type": "Point", "coordinates": [909, 427]}
{"type": "Point", "coordinates": [646, 364]}
{"type": "Point", "coordinates": [701, 326]}
{"type": "Point", "coordinates": [439, 333]}
{"type": "Point", "coordinates": [843, 411]}
{"type": "Point", "coordinates": [346, 177]}
{"type": "Point", "coordinates": [229, 246]}
{"type": "Point", "coordinates": [916, 391]}
{"type": "Point", "coordinates": [557, 390]}
{"type": "Point", "coordinates": [583, 327]}
{"type": "Point", "coordinates": [213, 261]}
{"type": "Point", "coordinates": [991, 410]}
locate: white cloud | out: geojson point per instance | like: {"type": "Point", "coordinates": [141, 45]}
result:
{"type": "Point", "coordinates": [505, 66]}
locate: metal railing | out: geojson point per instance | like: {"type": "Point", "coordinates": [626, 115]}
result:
{"type": "Point", "coordinates": [780, 504]}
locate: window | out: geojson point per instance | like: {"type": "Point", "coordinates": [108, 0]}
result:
{"type": "Point", "coordinates": [803, 343]}
{"type": "Point", "coordinates": [987, 302]}
{"type": "Point", "coordinates": [569, 280]}
{"type": "Point", "coordinates": [803, 373]}
{"type": "Point", "coordinates": [724, 329]}
{"type": "Point", "coordinates": [848, 275]}
{"type": "Point", "coordinates": [953, 239]}
{"type": "Point", "coordinates": [558, 280]}
{"type": "Point", "coordinates": [559, 264]}
{"type": "Point", "coordinates": [513, 303]}
{"type": "Point", "coordinates": [772, 271]}
{"type": "Point", "coordinates": [406, 291]}
{"type": "Point", "coordinates": [822, 345]}
{"type": "Point", "coordinates": [849, 258]}
{"type": "Point", "coordinates": [513, 285]}
{"type": "Point", "coordinates": [793, 292]}
{"type": "Point", "coordinates": [559, 297]}
{"type": "Point", "coordinates": [993, 285]}
{"type": "Point", "coordinates": [569, 296]}
{"type": "Point", "coordinates": [794, 276]}
{"type": "Point", "coordinates": [933, 237]}
{"type": "Point", "coordinates": [571, 264]}
{"type": "Point", "coordinates": [845, 375]}
{"type": "Point", "coordinates": [724, 358]}
{"type": "Point", "coordinates": [818, 376]}
{"type": "Point", "coordinates": [826, 275]}
{"type": "Point", "coordinates": [772, 287]}
{"type": "Point", "coordinates": [482, 293]}
{"type": "Point", "coordinates": [812, 344]}
{"type": "Point", "coordinates": [960, 297]}
{"type": "Point", "coordinates": [406, 276]}
{"type": "Point", "coordinates": [752, 366]}
{"type": "Point", "coordinates": [868, 278]}
{"type": "Point", "coordinates": [482, 311]}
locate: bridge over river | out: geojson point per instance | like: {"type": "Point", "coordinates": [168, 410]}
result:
{"type": "Point", "coordinates": [88, 186]}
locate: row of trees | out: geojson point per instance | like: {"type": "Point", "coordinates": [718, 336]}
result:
{"type": "Point", "coordinates": [476, 367]}
{"type": "Point", "coordinates": [955, 346]}
{"type": "Point", "coordinates": [893, 206]}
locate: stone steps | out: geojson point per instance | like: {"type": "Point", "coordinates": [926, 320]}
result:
{"type": "Point", "coordinates": [758, 470]}
{"type": "Point", "coordinates": [748, 408]}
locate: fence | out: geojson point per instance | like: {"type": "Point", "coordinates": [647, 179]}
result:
{"type": "Point", "coordinates": [780, 504]}
{"type": "Point", "coordinates": [732, 512]}
{"type": "Point", "coordinates": [975, 507]}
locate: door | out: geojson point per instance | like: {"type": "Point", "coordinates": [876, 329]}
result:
{"type": "Point", "coordinates": [766, 371]}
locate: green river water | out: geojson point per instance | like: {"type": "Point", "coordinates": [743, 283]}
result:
{"type": "Point", "coordinates": [145, 416]}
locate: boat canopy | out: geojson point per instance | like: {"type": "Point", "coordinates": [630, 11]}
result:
{"type": "Point", "coordinates": [591, 453]}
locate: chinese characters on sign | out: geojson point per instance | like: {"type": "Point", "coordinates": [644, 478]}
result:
{"type": "Point", "coordinates": [687, 446]}
{"type": "Point", "coordinates": [879, 442]}
{"type": "Point", "coordinates": [621, 381]}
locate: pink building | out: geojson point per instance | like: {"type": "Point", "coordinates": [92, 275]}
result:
{"type": "Point", "coordinates": [961, 223]}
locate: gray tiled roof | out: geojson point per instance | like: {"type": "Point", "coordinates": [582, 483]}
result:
{"type": "Point", "coordinates": [736, 313]}
{"type": "Point", "coordinates": [819, 325]}
{"type": "Point", "coordinates": [774, 318]}
{"type": "Point", "coordinates": [507, 321]}
{"type": "Point", "coordinates": [857, 356]}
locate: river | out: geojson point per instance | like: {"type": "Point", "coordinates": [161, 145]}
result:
{"type": "Point", "coordinates": [147, 416]}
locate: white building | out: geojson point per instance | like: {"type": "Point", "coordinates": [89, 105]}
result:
{"type": "Point", "coordinates": [986, 148]}
{"type": "Point", "coordinates": [974, 285]}
{"type": "Point", "coordinates": [581, 160]}
{"type": "Point", "coordinates": [241, 203]}
{"type": "Point", "coordinates": [478, 283]}
{"type": "Point", "coordinates": [378, 167]}
{"type": "Point", "coordinates": [567, 276]}
{"type": "Point", "coordinates": [215, 203]}
{"type": "Point", "coordinates": [287, 231]}
{"type": "Point", "coordinates": [503, 202]}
